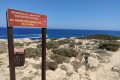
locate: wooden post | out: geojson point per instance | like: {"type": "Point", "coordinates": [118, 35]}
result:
{"type": "Point", "coordinates": [43, 53]}
{"type": "Point", "coordinates": [11, 51]}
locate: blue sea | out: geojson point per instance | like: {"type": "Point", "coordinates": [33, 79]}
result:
{"type": "Point", "coordinates": [35, 33]}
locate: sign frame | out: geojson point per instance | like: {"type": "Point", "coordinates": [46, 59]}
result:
{"type": "Point", "coordinates": [11, 50]}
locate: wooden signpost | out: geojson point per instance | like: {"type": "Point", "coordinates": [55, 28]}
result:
{"type": "Point", "coordinates": [21, 18]}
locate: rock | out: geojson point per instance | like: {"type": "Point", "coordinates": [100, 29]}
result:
{"type": "Point", "coordinates": [116, 68]}
{"type": "Point", "coordinates": [95, 55]}
{"type": "Point", "coordinates": [27, 40]}
{"type": "Point", "coordinates": [81, 70]}
{"type": "Point", "coordinates": [58, 74]}
{"type": "Point", "coordinates": [90, 75]}
{"type": "Point", "coordinates": [64, 46]}
{"type": "Point", "coordinates": [18, 40]}
{"type": "Point", "coordinates": [76, 40]}
{"type": "Point", "coordinates": [68, 67]}
{"type": "Point", "coordinates": [48, 40]}
{"type": "Point", "coordinates": [74, 76]}
{"type": "Point", "coordinates": [83, 60]}
{"type": "Point", "coordinates": [32, 45]}
{"type": "Point", "coordinates": [105, 59]}
{"type": "Point", "coordinates": [72, 59]}
{"type": "Point", "coordinates": [93, 62]}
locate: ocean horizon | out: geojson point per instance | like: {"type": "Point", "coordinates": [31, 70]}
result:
{"type": "Point", "coordinates": [35, 33]}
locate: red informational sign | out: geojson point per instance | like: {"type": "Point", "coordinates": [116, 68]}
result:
{"type": "Point", "coordinates": [21, 18]}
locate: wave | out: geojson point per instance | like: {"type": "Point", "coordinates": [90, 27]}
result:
{"type": "Point", "coordinates": [32, 36]}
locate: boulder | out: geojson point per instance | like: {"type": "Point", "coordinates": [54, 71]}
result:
{"type": "Point", "coordinates": [92, 62]}
{"type": "Point", "coordinates": [69, 67]}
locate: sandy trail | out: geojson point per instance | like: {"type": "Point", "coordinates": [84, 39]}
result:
{"type": "Point", "coordinates": [105, 73]}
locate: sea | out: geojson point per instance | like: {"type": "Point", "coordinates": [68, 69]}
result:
{"type": "Point", "coordinates": [35, 33]}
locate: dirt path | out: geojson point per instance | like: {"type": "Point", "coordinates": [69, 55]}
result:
{"type": "Point", "coordinates": [105, 73]}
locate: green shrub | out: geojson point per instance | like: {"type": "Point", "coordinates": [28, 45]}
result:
{"type": "Point", "coordinates": [67, 52]}
{"type": "Point", "coordinates": [39, 46]}
{"type": "Point", "coordinates": [52, 65]}
{"type": "Point", "coordinates": [72, 44]}
{"type": "Point", "coordinates": [54, 39]}
{"type": "Point", "coordinates": [58, 58]}
{"type": "Point", "coordinates": [110, 46]}
{"type": "Point", "coordinates": [65, 41]}
{"type": "Point", "coordinates": [32, 52]}
{"type": "Point", "coordinates": [102, 36]}
{"type": "Point", "coordinates": [17, 44]}
{"type": "Point", "coordinates": [52, 44]}
{"type": "Point", "coordinates": [27, 43]}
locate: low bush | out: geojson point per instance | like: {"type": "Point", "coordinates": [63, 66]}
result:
{"type": "Point", "coordinates": [52, 44]}
{"type": "Point", "coordinates": [32, 52]}
{"type": "Point", "coordinates": [16, 44]}
{"type": "Point", "coordinates": [52, 65]}
{"type": "Point", "coordinates": [102, 36]}
{"type": "Point", "coordinates": [110, 46]}
{"type": "Point", "coordinates": [54, 39]}
{"type": "Point", "coordinates": [67, 52]}
{"type": "Point", "coordinates": [65, 41]}
{"type": "Point", "coordinates": [72, 44]}
{"type": "Point", "coordinates": [39, 46]}
{"type": "Point", "coordinates": [58, 58]}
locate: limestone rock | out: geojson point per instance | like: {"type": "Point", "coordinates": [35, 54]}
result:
{"type": "Point", "coordinates": [116, 68]}
{"type": "Point", "coordinates": [58, 74]}
{"type": "Point", "coordinates": [69, 67]}
{"type": "Point", "coordinates": [27, 40]}
{"type": "Point", "coordinates": [74, 76]}
{"type": "Point", "coordinates": [33, 45]}
{"type": "Point", "coordinates": [93, 62]}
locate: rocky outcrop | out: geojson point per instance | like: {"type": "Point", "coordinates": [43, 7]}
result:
{"type": "Point", "coordinates": [93, 63]}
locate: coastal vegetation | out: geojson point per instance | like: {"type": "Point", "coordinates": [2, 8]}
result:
{"type": "Point", "coordinates": [69, 56]}
{"type": "Point", "coordinates": [110, 45]}
{"type": "Point", "coordinates": [58, 58]}
{"type": "Point", "coordinates": [52, 44]}
{"type": "Point", "coordinates": [102, 37]}
{"type": "Point", "coordinates": [17, 44]}
{"type": "Point", "coordinates": [67, 52]}
{"type": "Point", "coordinates": [65, 41]}
{"type": "Point", "coordinates": [32, 52]}
{"type": "Point", "coordinates": [52, 65]}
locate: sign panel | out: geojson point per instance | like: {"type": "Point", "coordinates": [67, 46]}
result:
{"type": "Point", "coordinates": [21, 18]}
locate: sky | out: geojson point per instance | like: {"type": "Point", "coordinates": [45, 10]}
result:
{"type": "Point", "coordinates": [69, 14]}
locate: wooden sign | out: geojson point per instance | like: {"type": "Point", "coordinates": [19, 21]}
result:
{"type": "Point", "coordinates": [21, 18]}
